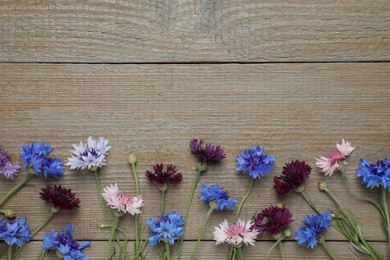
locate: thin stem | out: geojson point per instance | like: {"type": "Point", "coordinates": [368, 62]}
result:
{"type": "Point", "coordinates": [162, 202]}
{"type": "Point", "coordinates": [335, 200]}
{"type": "Point", "coordinates": [99, 189]}
{"type": "Point", "coordinates": [43, 253]}
{"type": "Point", "coordinates": [274, 245]}
{"type": "Point", "coordinates": [385, 208]}
{"type": "Point", "coordinates": [328, 250]}
{"type": "Point", "coordinates": [239, 253]}
{"type": "Point", "coordinates": [47, 220]}
{"type": "Point", "coordinates": [136, 217]}
{"type": "Point", "coordinates": [134, 170]}
{"type": "Point", "coordinates": [16, 188]}
{"type": "Point", "coordinates": [189, 203]}
{"type": "Point", "coordinates": [309, 201]}
{"type": "Point", "coordinates": [250, 188]}
{"type": "Point", "coordinates": [281, 249]}
{"type": "Point", "coordinates": [167, 250]}
{"type": "Point", "coordinates": [231, 249]}
{"type": "Point", "coordinates": [9, 253]}
{"type": "Point", "coordinates": [112, 234]}
{"type": "Point", "coordinates": [202, 229]}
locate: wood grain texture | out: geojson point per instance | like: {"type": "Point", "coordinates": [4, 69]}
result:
{"type": "Point", "coordinates": [194, 31]}
{"type": "Point", "coordinates": [296, 111]}
{"type": "Point", "coordinates": [208, 250]}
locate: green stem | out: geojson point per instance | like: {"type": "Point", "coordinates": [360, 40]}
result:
{"type": "Point", "coordinates": [274, 245]}
{"type": "Point", "coordinates": [16, 188]}
{"type": "Point", "coordinates": [189, 203]}
{"type": "Point", "coordinates": [9, 253]}
{"type": "Point", "coordinates": [202, 229]}
{"type": "Point", "coordinates": [328, 250]}
{"type": "Point", "coordinates": [250, 188]}
{"type": "Point", "coordinates": [167, 250]}
{"type": "Point", "coordinates": [134, 170]}
{"type": "Point", "coordinates": [47, 220]}
{"type": "Point", "coordinates": [112, 234]}
{"type": "Point", "coordinates": [239, 253]}
{"type": "Point", "coordinates": [385, 208]}
{"type": "Point", "coordinates": [234, 253]}
{"type": "Point", "coordinates": [162, 202]}
{"type": "Point", "coordinates": [281, 249]}
{"type": "Point", "coordinates": [42, 255]}
{"type": "Point", "coordinates": [99, 189]}
{"type": "Point", "coordinates": [309, 201]}
{"type": "Point", "coordinates": [335, 200]}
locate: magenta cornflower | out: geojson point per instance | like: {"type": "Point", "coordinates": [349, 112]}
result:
{"type": "Point", "coordinates": [273, 220]}
{"type": "Point", "coordinates": [162, 176]}
{"type": "Point", "coordinates": [293, 176]}
{"type": "Point", "coordinates": [206, 153]}
{"type": "Point", "coordinates": [335, 160]}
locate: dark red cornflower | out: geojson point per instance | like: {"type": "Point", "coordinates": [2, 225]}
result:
{"type": "Point", "coordinates": [206, 153]}
{"type": "Point", "coordinates": [61, 198]}
{"type": "Point", "coordinates": [273, 220]}
{"type": "Point", "coordinates": [293, 176]}
{"type": "Point", "coordinates": [161, 176]}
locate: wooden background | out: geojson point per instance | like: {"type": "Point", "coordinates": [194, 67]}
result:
{"type": "Point", "coordinates": [292, 76]}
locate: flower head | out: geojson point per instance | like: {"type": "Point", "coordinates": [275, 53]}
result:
{"type": "Point", "coordinates": [314, 228]}
{"type": "Point", "coordinates": [65, 244]}
{"type": "Point", "coordinates": [61, 198]}
{"type": "Point", "coordinates": [36, 156]}
{"type": "Point", "coordinates": [166, 228]}
{"type": "Point", "coordinates": [293, 176]}
{"type": "Point", "coordinates": [374, 175]}
{"type": "Point", "coordinates": [273, 220]}
{"type": "Point", "coordinates": [8, 170]}
{"type": "Point", "coordinates": [161, 176]}
{"type": "Point", "coordinates": [237, 234]}
{"type": "Point", "coordinates": [206, 153]}
{"type": "Point", "coordinates": [335, 160]}
{"type": "Point", "coordinates": [255, 162]}
{"type": "Point", "coordinates": [218, 196]}
{"type": "Point", "coordinates": [17, 232]}
{"type": "Point", "coordinates": [90, 155]}
{"type": "Point", "coordinates": [123, 203]}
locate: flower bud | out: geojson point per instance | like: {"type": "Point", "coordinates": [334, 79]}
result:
{"type": "Point", "coordinates": [322, 186]}
{"type": "Point", "coordinates": [132, 159]}
{"type": "Point", "coordinates": [201, 167]}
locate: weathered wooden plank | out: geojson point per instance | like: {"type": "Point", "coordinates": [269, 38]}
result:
{"type": "Point", "coordinates": [194, 31]}
{"type": "Point", "coordinates": [297, 111]}
{"type": "Point", "coordinates": [207, 250]}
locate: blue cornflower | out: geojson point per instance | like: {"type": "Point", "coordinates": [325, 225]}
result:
{"type": "Point", "coordinates": [374, 175]}
{"type": "Point", "coordinates": [17, 232]}
{"type": "Point", "coordinates": [315, 226]}
{"type": "Point", "coordinates": [219, 196]}
{"type": "Point", "coordinates": [167, 228]}
{"type": "Point", "coordinates": [36, 156]}
{"type": "Point", "coordinates": [64, 243]}
{"type": "Point", "coordinates": [255, 162]}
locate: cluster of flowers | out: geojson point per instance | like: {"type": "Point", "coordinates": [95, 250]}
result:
{"type": "Point", "coordinates": [167, 229]}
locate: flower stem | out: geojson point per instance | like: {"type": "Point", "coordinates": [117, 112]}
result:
{"type": "Point", "coordinates": [335, 200]}
{"type": "Point", "coordinates": [42, 255]}
{"type": "Point", "coordinates": [99, 189]}
{"type": "Point", "coordinates": [309, 201]}
{"type": "Point", "coordinates": [137, 242]}
{"type": "Point", "coordinates": [9, 253]}
{"type": "Point", "coordinates": [281, 249]}
{"type": "Point", "coordinates": [134, 170]}
{"type": "Point", "coordinates": [167, 250]}
{"type": "Point", "coordinates": [162, 202]}
{"type": "Point", "coordinates": [47, 220]}
{"type": "Point", "coordinates": [275, 244]}
{"type": "Point", "coordinates": [202, 229]}
{"type": "Point", "coordinates": [385, 208]}
{"type": "Point", "coordinates": [16, 188]}
{"type": "Point", "coordinates": [234, 253]}
{"type": "Point", "coordinates": [112, 234]}
{"type": "Point", "coordinates": [250, 188]}
{"type": "Point", "coordinates": [240, 255]}
{"type": "Point", "coordinates": [189, 203]}
{"type": "Point", "coordinates": [328, 250]}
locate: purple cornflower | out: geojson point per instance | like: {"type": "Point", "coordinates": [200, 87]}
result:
{"type": "Point", "coordinates": [206, 153]}
{"type": "Point", "coordinates": [7, 170]}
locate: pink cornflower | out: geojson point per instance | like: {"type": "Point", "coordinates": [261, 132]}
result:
{"type": "Point", "coordinates": [335, 160]}
{"type": "Point", "coordinates": [116, 200]}
{"type": "Point", "coordinates": [235, 234]}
